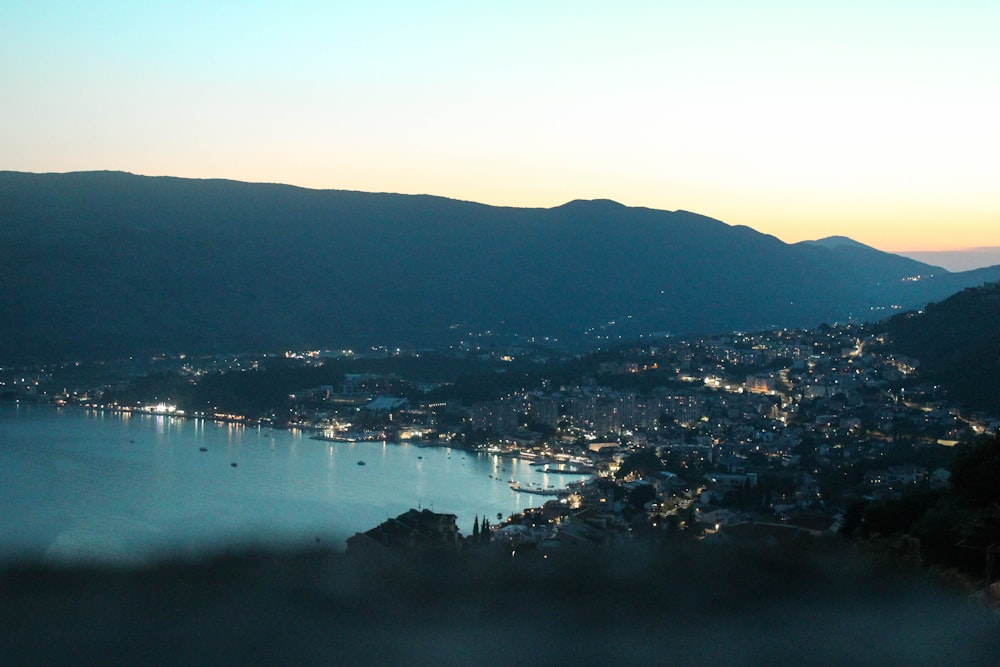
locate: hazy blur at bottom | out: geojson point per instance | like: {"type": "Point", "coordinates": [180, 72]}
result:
{"type": "Point", "coordinates": [651, 605]}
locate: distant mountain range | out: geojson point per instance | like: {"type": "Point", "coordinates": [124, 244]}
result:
{"type": "Point", "coordinates": [107, 264]}
{"type": "Point", "coordinates": [957, 260]}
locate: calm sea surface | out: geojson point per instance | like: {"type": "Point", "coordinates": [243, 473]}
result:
{"type": "Point", "coordinates": [79, 485]}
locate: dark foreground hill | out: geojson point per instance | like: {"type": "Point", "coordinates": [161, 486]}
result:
{"type": "Point", "coordinates": [670, 606]}
{"type": "Point", "coordinates": [102, 264]}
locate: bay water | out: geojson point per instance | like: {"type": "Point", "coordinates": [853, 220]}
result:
{"type": "Point", "coordinates": [81, 485]}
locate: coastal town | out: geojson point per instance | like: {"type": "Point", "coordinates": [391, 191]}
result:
{"type": "Point", "coordinates": [773, 433]}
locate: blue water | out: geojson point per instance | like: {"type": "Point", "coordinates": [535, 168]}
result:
{"type": "Point", "coordinates": [80, 485]}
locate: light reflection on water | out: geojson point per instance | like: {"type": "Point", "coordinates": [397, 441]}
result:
{"type": "Point", "coordinates": [78, 484]}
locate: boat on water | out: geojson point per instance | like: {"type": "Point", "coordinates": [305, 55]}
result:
{"type": "Point", "coordinates": [353, 436]}
{"type": "Point", "coordinates": [529, 488]}
{"type": "Point", "coordinates": [568, 471]}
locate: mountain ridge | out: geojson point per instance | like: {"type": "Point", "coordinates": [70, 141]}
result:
{"type": "Point", "coordinates": [101, 264]}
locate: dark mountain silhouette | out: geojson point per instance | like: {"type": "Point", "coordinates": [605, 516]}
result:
{"type": "Point", "coordinates": [837, 242]}
{"type": "Point", "coordinates": [105, 264]}
{"type": "Point", "coordinates": [957, 342]}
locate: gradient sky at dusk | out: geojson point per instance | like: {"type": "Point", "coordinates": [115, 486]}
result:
{"type": "Point", "coordinates": [874, 120]}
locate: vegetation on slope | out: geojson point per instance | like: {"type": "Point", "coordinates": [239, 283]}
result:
{"type": "Point", "coordinates": [957, 342]}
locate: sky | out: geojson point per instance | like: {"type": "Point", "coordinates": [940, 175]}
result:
{"type": "Point", "coordinates": [873, 120]}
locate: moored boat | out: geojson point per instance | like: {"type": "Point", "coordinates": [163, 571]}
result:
{"type": "Point", "coordinates": [527, 488]}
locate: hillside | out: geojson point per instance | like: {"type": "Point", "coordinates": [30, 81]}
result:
{"type": "Point", "coordinates": [958, 344]}
{"type": "Point", "coordinates": [105, 264]}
